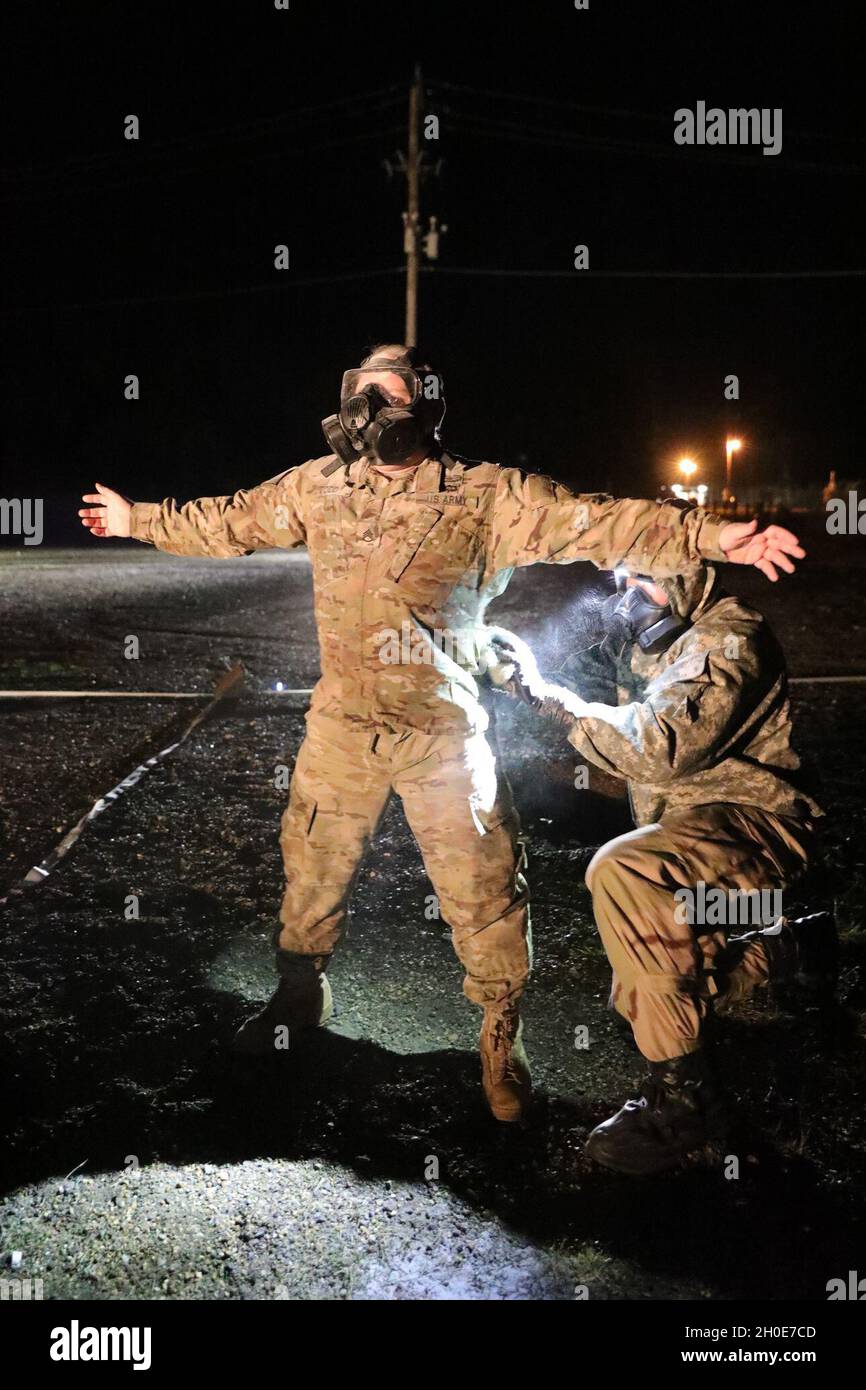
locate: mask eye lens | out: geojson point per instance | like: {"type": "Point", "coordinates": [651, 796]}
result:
{"type": "Point", "coordinates": [393, 398]}
{"type": "Point", "coordinates": [398, 386]}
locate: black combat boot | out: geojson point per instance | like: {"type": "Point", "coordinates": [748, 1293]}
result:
{"type": "Point", "coordinates": [679, 1110]}
{"type": "Point", "coordinates": [302, 1000]}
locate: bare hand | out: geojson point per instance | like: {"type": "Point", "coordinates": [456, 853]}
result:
{"type": "Point", "coordinates": [744, 544]}
{"type": "Point", "coordinates": [111, 517]}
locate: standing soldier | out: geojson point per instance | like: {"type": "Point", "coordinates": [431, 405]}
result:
{"type": "Point", "coordinates": [408, 547]}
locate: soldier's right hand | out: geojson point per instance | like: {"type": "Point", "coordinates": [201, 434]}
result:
{"type": "Point", "coordinates": [112, 515]}
{"type": "Point", "coordinates": [513, 668]}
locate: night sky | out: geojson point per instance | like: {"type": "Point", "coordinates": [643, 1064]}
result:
{"type": "Point", "coordinates": [261, 127]}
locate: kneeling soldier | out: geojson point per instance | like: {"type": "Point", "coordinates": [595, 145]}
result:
{"type": "Point", "coordinates": [703, 738]}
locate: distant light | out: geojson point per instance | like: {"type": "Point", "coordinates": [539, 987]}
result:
{"type": "Point", "coordinates": [687, 467]}
{"type": "Point", "coordinates": [279, 686]}
{"type": "Point", "coordinates": [732, 445]}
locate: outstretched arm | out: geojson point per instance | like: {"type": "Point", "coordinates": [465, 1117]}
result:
{"type": "Point", "coordinates": [537, 520]}
{"type": "Point", "coordinates": [692, 711]}
{"type": "Point", "coordinates": [253, 519]}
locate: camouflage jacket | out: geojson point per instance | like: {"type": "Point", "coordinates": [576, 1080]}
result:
{"type": "Point", "coordinates": [708, 720]}
{"type": "Point", "coordinates": [404, 568]}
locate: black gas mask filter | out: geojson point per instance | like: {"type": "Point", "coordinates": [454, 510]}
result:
{"type": "Point", "coordinates": [630, 615]}
{"type": "Point", "coordinates": [377, 419]}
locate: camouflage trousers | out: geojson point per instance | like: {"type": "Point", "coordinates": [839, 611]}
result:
{"type": "Point", "coordinates": [461, 814]}
{"type": "Point", "coordinates": [667, 969]}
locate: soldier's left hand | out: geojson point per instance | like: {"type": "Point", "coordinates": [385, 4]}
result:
{"type": "Point", "coordinates": [515, 671]}
{"type": "Point", "coordinates": [744, 544]}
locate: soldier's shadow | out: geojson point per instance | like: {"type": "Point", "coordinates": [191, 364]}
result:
{"type": "Point", "coordinates": [763, 1234]}
{"type": "Point", "coordinates": [115, 1046]}
{"type": "Point", "coordinates": [386, 1115]}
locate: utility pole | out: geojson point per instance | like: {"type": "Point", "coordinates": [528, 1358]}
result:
{"type": "Point", "coordinates": [416, 242]}
{"type": "Point", "coordinates": [410, 217]}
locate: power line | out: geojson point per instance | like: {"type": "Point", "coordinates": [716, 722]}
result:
{"type": "Point", "coordinates": [349, 276]}
{"type": "Point", "coordinates": [393, 93]}
{"type": "Point", "coordinates": [481, 272]}
{"type": "Point", "coordinates": [619, 112]}
{"type": "Point", "coordinates": [645, 274]}
{"type": "Point", "coordinates": [192, 171]}
{"type": "Point", "coordinates": [570, 106]}
{"type": "Point", "coordinates": [520, 133]}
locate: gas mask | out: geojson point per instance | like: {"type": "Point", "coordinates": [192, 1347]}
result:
{"type": "Point", "coordinates": [630, 615]}
{"type": "Point", "coordinates": [390, 410]}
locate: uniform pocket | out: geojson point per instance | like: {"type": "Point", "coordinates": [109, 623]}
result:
{"type": "Point", "coordinates": [302, 811]}
{"type": "Point", "coordinates": [501, 818]}
{"type": "Point", "coordinates": [437, 553]}
{"type": "Point", "coordinates": [486, 822]}
{"type": "Point", "coordinates": [411, 539]}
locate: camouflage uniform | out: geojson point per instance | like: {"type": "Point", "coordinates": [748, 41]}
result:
{"type": "Point", "coordinates": [702, 733]}
{"type": "Point", "coordinates": [403, 571]}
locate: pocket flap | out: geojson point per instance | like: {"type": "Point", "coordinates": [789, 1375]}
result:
{"type": "Point", "coordinates": [411, 538]}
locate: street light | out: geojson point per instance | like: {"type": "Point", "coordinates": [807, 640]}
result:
{"type": "Point", "coordinates": [731, 447]}
{"type": "Point", "coordinates": [687, 467]}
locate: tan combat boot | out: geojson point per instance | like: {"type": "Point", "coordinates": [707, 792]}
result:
{"type": "Point", "coordinates": [504, 1065]}
{"type": "Point", "coordinates": [294, 1005]}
